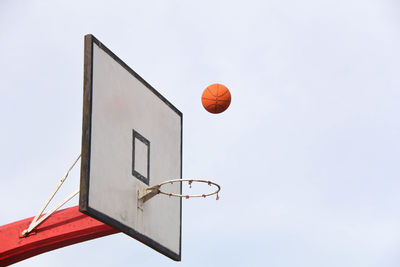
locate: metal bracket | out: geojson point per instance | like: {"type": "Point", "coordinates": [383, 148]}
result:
{"type": "Point", "coordinates": [148, 193]}
{"type": "Point", "coordinates": [36, 221]}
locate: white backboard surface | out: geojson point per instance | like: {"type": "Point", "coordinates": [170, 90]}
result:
{"type": "Point", "coordinates": [132, 139]}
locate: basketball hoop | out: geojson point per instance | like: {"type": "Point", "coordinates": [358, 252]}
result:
{"type": "Point", "coordinates": [146, 194]}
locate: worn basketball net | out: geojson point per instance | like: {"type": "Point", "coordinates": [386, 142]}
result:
{"type": "Point", "coordinates": [147, 193]}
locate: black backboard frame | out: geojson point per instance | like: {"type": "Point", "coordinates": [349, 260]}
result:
{"type": "Point", "coordinates": [84, 206]}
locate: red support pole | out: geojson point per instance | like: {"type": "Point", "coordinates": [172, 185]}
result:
{"type": "Point", "coordinates": [62, 228]}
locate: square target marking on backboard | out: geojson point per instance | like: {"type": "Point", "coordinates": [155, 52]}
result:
{"type": "Point", "coordinates": [141, 157]}
{"type": "Point", "coordinates": [131, 140]}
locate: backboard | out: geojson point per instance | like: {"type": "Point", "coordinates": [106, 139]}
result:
{"type": "Point", "coordinates": [131, 139]}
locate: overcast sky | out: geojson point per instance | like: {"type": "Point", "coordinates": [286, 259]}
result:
{"type": "Point", "coordinates": [307, 154]}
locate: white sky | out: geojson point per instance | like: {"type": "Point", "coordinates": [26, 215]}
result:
{"type": "Point", "coordinates": [307, 154]}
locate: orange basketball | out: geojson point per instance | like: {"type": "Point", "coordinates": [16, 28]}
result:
{"type": "Point", "coordinates": [216, 98]}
